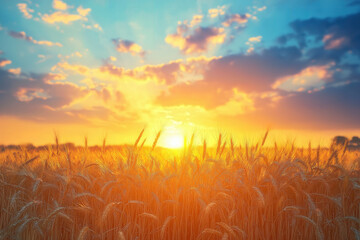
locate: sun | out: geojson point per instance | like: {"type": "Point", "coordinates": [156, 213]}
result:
{"type": "Point", "coordinates": [172, 137]}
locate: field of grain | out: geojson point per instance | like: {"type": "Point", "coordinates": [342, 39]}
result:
{"type": "Point", "coordinates": [135, 192]}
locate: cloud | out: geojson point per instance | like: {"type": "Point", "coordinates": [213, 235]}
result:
{"type": "Point", "coordinates": [61, 17]}
{"type": "Point", "coordinates": [197, 41]}
{"type": "Point", "coordinates": [312, 77]}
{"type": "Point", "coordinates": [251, 43]}
{"type": "Point", "coordinates": [255, 39]}
{"type": "Point", "coordinates": [16, 71]}
{"type": "Point", "coordinates": [22, 35]}
{"type": "Point", "coordinates": [36, 97]}
{"type": "Point", "coordinates": [292, 86]}
{"type": "Point", "coordinates": [83, 11]}
{"type": "Point", "coordinates": [4, 62]}
{"type": "Point", "coordinates": [262, 9]}
{"type": "Point", "coordinates": [25, 10]}
{"type": "Point", "coordinates": [331, 43]}
{"type": "Point", "coordinates": [215, 12]}
{"type": "Point", "coordinates": [196, 20]}
{"type": "Point", "coordinates": [60, 5]}
{"type": "Point", "coordinates": [335, 107]}
{"type": "Point", "coordinates": [126, 46]}
{"type": "Point", "coordinates": [337, 35]}
{"type": "Point", "coordinates": [168, 73]}
{"type": "Point", "coordinates": [240, 19]}
{"type": "Point", "coordinates": [238, 104]}
{"type": "Point", "coordinates": [29, 94]}
{"type": "Point", "coordinates": [247, 73]}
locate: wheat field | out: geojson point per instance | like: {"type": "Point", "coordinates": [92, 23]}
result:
{"type": "Point", "coordinates": [136, 192]}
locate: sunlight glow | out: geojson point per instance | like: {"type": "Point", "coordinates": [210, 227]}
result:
{"type": "Point", "coordinates": [172, 137]}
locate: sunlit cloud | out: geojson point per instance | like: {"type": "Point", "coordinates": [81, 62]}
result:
{"type": "Point", "coordinates": [4, 62]}
{"type": "Point", "coordinates": [239, 19]}
{"type": "Point", "coordinates": [25, 10]}
{"type": "Point", "coordinates": [331, 43]}
{"type": "Point", "coordinates": [23, 36]}
{"type": "Point", "coordinates": [126, 46]}
{"type": "Point", "coordinates": [251, 43]}
{"type": "Point", "coordinates": [197, 41]}
{"type": "Point", "coordinates": [168, 73]}
{"type": "Point", "coordinates": [308, 78]}
{"type": "Point", "coordinates": [65, 17]}
{"type": "Point", "coordinates": [28, 94]}
{"type": "Point", "coordinates": [215, 12]}
{"type": "Point", "coordinates": [255, 39]}
{"type": "Point", "coordinates": [60, 5]}
{"type": "Point", "coordinates": [83, 11]}
{"type": "Point", "coordinates": [16, 71]}
{"type": "Point", "coordinates": [37, 97]}
{"type": "Point", "coordinates": [196, 20]}
{"type": "Point", "coordinates": [61, 17]}
{"type": "Point", "coordinates": [240, 103]}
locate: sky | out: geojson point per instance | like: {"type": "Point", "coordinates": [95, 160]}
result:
{"type": "Point", "coordinates": [108, 69]}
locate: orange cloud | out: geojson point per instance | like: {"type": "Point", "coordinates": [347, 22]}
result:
{"type": "Point", "coordinates": [251, 42]}
{"type": "Point", "coordinates": [335, 43]}
{"type": "Point", "coordinates": [309, 78]}
{"type": "Point", "coordinates": [214, 12]}
{"type": "Point", "coordinates": [4, 62]}
{"type": "Point", "coordinates": [236, 18]}
{"type": "Point", "coordinates": [22, 35]}
{"type": "Point", "coordinates": [25, 10]}
{"type": "Point", "coordinates": [28, 94]}
{"type": "Point", "coordinates": [61, 17]}
{"type": "Point", "coordinates": [126, 46]}
{"type": "Point", "coordinates": [196, 20]}
{"type": "Point", "coordinates": [197, 41]}
{"type": "Point", "coordinates": [59, 5]}
{"type": "Point", "coordinates": [168, 73]}
{"type": "Point", "coordinates": [16, 71]}
{"type": "Point", "coordinates": [255, 39]}
{"type": "Point", "coordinates": [240, 103]}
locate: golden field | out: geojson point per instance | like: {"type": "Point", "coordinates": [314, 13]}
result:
{"type": "Point", "coordinates": [136, 192]}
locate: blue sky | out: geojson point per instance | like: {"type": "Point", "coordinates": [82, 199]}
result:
{"type": "Point", "coordinates": [115, 65]}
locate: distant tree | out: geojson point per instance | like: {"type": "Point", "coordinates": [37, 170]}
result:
{"type": "Point", "coordinates": [355, 141]}
{"type": "Point", "coordinates": [29, 146]}
{"type": "Point", "coordinates": [340, 140]}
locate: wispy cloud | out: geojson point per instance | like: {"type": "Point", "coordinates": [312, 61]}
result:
{"type": "Point", "coordinates": [251, 43]}
{"type": "Point", "coordinates": [25, 10]}
{"type": "Point", "coordinates": [22, 35]}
